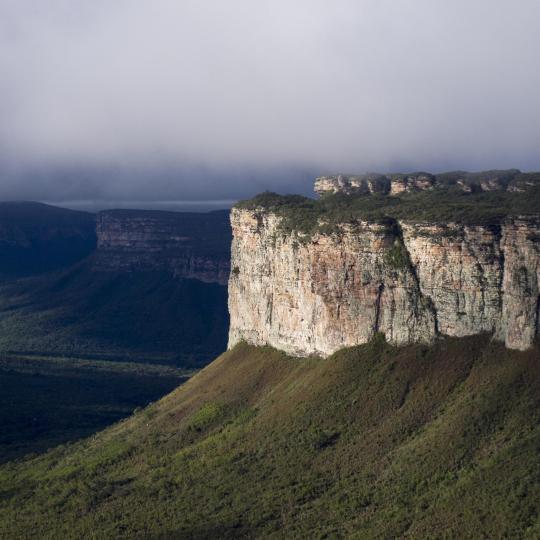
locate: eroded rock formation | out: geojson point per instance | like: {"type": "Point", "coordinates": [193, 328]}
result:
{"type": "Point", "coordinates": [190, 245]}
{"type": "Point", "coordinates": [511, 180]}
{"type": "Point", "coordinates": [409, 281]}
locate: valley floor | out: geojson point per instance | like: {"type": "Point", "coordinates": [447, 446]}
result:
{"type": "Point", "coordinates": [373, 442]}
{"type": "Point", "coordinates": [47, 401]}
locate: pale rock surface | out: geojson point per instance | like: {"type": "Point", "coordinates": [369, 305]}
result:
{"type": "Point", "coordinates": [332, 292]}
{"type": "Point", "coordinates": [459, 268]}
{"type": "Point", "coordinates": [520, 317]}
{"type": "Point", "coordinates": [336, 290]}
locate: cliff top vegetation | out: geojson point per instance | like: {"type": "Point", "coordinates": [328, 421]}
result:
{"type": "Point", "coordinates": [441, 204]}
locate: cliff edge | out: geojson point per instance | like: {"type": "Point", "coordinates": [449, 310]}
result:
{"type": "Point", "coordinates": [189, 245]}
{"type": "Point", "coordinates": [312, 277]}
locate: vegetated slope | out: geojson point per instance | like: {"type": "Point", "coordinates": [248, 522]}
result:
{"type": "Point", "coordinates": [48, 401]}
{"type": "Point", "coordinates": [37, 238]}
{"type": "Point", "coordinates": [81, 311]}
{"type": "Point", "coordinates": [373, 442]}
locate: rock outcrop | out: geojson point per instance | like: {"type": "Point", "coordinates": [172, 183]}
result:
{"type": "Point", "coordinates": [409, 281]}
{"type": "Point", "coordinates": [511, 180]}
{"type": "Point", "coordinates": [189, 245]}
{"type": "Point", "coordinates": [347, 184]}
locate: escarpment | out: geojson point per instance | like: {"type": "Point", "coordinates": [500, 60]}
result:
{"type": "Point", "coordinates": [189, 245]}
{"type": "Point", "coordinates": [511, 180]}
{"type": "Point", "coordinates": [332, 292]}
{"type": "Point", "coordinates": [336, 282]}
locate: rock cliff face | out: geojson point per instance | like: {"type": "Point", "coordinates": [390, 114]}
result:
{"type": "Point", "coordinates": [396, 184]}
{"type": "Point", "coordinates": [190, 245]}
{"type": "Point", "coordinates": [409, 281]}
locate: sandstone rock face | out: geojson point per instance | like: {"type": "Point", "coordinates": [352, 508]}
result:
{"type": "Point", "coordinates": [411, 282]}
{"type": "Point", "coordinates": [459, 268]}
{"type": "Point", "coordinates": [347, 184]}
{"type": "Point", "coordinates": [396, 184]}
{"type": "Point", "coordinates": [520, 317]}
{"type": "Point", "coordinates": [331, 292]}
{"type": "Point", "coordinates": [417, 182]}
{"type": "Point", "coordinates": [190, 245]}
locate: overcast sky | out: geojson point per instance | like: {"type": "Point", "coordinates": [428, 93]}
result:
{"type": "Point", "coordinates": [210, 99]}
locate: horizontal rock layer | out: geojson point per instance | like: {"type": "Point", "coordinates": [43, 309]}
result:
{"type": "Point", "coordinates": [409, 281]}
{"type": "Point", "coordinates": [190, 245]}
{"type": "Point", "coordinates": [395, 184]}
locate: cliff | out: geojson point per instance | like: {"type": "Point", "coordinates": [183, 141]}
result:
{"type": "Point", "coordinates": [189, 245]}
{"type": "Point", "coordinates": [511, 180]}
{"type": "Point", "coordinates": [335, 282]}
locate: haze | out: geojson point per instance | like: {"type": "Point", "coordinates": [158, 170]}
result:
{"type": "Point", "coordinates": [149, 101]}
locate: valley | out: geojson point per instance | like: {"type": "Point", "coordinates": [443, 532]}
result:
{"type": "Point", "coordinates": [101, 314]}
{"type": "Point", "coordinates": [49, 401]}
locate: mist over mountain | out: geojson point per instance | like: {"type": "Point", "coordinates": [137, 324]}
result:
{"type": "Point", "coordinates": [177, 101]}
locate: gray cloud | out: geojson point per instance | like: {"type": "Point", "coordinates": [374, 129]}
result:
{"type": "Point", "coordinates": [210, 99]}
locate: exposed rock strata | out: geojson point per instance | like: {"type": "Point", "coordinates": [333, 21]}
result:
{"type": "Point", "coordinates": [409, 281]}
{"type": "Point", "coordinates": [190, 245]}
{"type": "Point", "coordinates": [396, 184]}
{"type": "Point", "coordinates": [520, 316]}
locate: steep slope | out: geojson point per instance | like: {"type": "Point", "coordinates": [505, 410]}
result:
{"type": "Point", "coordinates": [373, 442]}
{"type": "Point", "coordinates": [37, 238]}
{"type": "Point", "coordinates": [313, 276]}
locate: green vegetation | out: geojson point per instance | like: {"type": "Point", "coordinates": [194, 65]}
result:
{"type": "Point", "coordinates": [443, 204]}
{"type": "Point", "coordinates": [136, 315]}
{"type": "Point", "coordinates": [397, 256]}
{"type": "Point", "coordinates": [373, 442]}
{"type": "Point", "coordinates": [49, 401]}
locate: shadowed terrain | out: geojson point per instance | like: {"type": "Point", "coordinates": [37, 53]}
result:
{"type": "Point", "coordinates": [137, 315]}
{"type": "Point", "coordinates": [37, 238]}
{"type": "Point", "coordinates": [374, 441]}
{"type": "Point", "coordinates": [45, 401]}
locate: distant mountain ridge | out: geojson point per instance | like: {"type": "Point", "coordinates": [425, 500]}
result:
{"type": "Point", "coordinates": [189, 245]}
{"type": "Point", "coordinates": [149, 284]}
{"type": "Point", "coordinates": [511, 180]}
{"type": "Point", "coordinates": [36, 238]}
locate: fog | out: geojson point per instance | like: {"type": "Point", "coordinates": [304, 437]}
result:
{"type": "Point", "coordinates": [137, 100]}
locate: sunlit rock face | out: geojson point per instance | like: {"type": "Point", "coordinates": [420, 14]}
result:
{"type": "Point", "coordinates": [409, 281]}
{"type": "Point", "coordinates": [520, 314]}
{"type": "Point", "coordinates": [190, 245]}
{"type": "Point", "coordinates": [348, 184]}
{"type": "Point", "coordinates": [511, 180]}
{"type": "Point", "coordinates": [459, 269]}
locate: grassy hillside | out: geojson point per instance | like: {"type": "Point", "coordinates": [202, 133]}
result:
{"type": "Point", "coordinates": [142, 315]}
{"type": "Point", "coordinates": [37, 238]}
{"type": "Point", "coordinates": [48, 401]}
{"type": "Point", "coordinates": [373, 442]}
